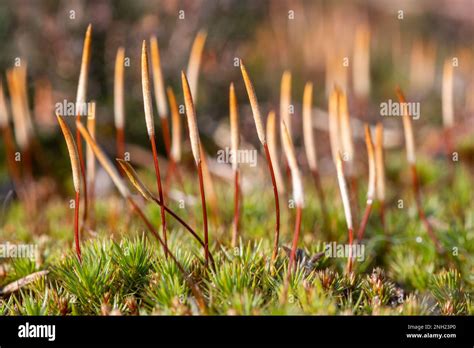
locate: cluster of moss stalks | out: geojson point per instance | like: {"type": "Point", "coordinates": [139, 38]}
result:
{"type": "Point", "coordinates": [125, 273]}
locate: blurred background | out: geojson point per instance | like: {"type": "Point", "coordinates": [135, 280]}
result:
{"type": "Point", "coordinates": [408, 42]}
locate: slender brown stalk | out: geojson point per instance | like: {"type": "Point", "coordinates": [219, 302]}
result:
{"type": "Point", "coordinates": [204, 211]}
{"type": "Point", "coordinates": [261, 136]}
{"type": "Point", "coordinates": [310, 145]}
{"type": "Point", "coordinates": [380, 171]}
{"type": "Point", "coordinates": [76, 226]}
{"type": "Point", "coordinates": [196, 149]}
{"type": "Point", "coordinates": [120, 142]}
{"type": "Point", "coordinates": [119, 113]}
{"type": "Point", "coordinates": [349, 257]}
{"type": "Point", "coordinates": [411, 158]}
{"type": "Point", "coordinates": [209, 186]}
{"type": "Point", "coordinates": [234, 140]}
{"type": "Point", "coordinates": [165, 128]}
{"type": "Point", "coordinates": [80, 102]}
{"type": "Point", "coordinates": [277, 204]}
{"type": "Point", "coordinates": [160, 189]}
{"type": "Point", "coordinates": [371, 182]}
{"type": "Point", "coordinates": [74, 158]}
{"type": "Point", "coordinates": [347, 207]}
{"type": "Point", "coordinates": [148, 109]}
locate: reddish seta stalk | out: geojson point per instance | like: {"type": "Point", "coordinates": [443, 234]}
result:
{"type": "Point", "coordinates": [277, 203]}
{"type": "Point", "coordinates": [160, 191]}
{"type": "Point", "coordinates": [76, 227]}
{"type": "Point", "coordinates": [365, 219]}
{"type": "Point", "coordinates": [204, 213]}
{"type": "Point", "coordinates": [166, 135]}
{"type": "Point", "coordinates": [120, 143]}
{"type": "Point", "coordinates": [353, 192]}
{"type": "Point", "coordinates": [349, 258]}
{"type": "Point", "coordinates": [83, 170]}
